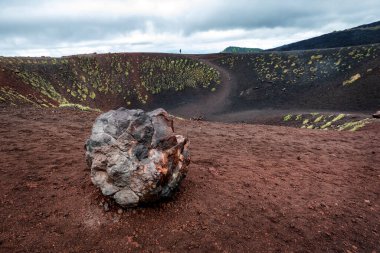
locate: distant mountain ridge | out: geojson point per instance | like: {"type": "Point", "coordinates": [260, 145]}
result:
{"type": "Point", "coordinates": [241, 50]}
{"type": "Point", "coordinates": [360, 35]}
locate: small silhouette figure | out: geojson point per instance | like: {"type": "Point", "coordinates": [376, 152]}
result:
{"type": "Point", "coordinates": [180, 51]}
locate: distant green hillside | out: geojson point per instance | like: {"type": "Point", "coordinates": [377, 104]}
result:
{"type": "Point", "coordinates": [241, 50]}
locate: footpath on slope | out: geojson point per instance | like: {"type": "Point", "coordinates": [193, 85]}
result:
{"type": "Point", "coordinates": [215, 103]}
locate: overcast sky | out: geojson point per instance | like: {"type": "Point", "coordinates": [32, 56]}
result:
{"type": "Point", "coordinates": [55, 28]}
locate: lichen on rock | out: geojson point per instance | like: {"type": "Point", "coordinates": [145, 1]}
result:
{"type": "Point", "coordinates": [135, 157]}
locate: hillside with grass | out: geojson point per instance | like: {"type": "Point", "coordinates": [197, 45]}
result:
{"type": "Point", "coordinates": [330, 79]}
{"type": "Point", "coordinates": [101, 81]}
{"type": "Point", "coordinates": [343, 79]}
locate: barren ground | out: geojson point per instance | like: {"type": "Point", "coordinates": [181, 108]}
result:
{"type": "Point", "coordinates": [250, 188]}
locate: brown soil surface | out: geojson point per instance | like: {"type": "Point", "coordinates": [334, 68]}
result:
{"type": "Point", "coordinates": [250, 188]}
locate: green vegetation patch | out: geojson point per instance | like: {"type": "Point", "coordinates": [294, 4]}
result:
{"type": "Point", "coordinates": [173, 73]}
{"type": "Point", "coordinates": [41, 85]}
{"type": "Point", "coordinates": [78, 106]}
{"type": "Point", "coordinates": [10, 96]}
{"type": "Point", "coordinates": [326, 125]}
{"type": "Point", "coordinates": [316, 57]}
{"type": "Point", "coordinates": [352, 79]}
{"type": "Point", "coordinates": [340, 122]}
{"type": "Point", "coordinates": [339, 117]}
{"type": "Point", "coordinates": [288, 117]}
{"type": "Point", "coordinates": [354, 125]}
{"type": "Point", "coordinates": [319, 119]}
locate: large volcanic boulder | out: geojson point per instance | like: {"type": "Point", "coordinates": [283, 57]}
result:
{"type": "Point", "coordinates": [135, 157]}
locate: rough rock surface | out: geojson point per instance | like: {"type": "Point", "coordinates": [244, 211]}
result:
{"type": "Point", "coordinates": [135, 157]}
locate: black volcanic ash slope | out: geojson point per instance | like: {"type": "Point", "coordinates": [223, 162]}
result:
{"type": "Point", "coordinates": [361, 35]}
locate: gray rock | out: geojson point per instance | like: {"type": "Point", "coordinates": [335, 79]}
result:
{"type": "Point", "coordinates": [376, 115]}
{"type": "Point", "coordinates": [135, 157]}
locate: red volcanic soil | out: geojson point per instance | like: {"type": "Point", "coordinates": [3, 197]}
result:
{"type": "Point", "coordinates": [250, 188]}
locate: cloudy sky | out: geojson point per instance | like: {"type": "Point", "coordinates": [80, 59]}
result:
{"type": "Point", "coordinates": [55, 28]}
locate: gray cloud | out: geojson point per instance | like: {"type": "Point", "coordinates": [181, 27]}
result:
{"type": "Point", "coordinates": [108, 25]}
{"type": "Point", "coordinates": [296, 13]}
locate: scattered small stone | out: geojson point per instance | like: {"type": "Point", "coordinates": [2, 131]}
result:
{"type": "Point", "coordinates": [367, 201]}
{"type": "Point", "coordinates": [376, 115]}
{"type": "Point", "coordinates": [197, 118]}
{"type": "Point", "coordinates": [106, 207]}
{"type": "Point", "coordinates": [119, 211]}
